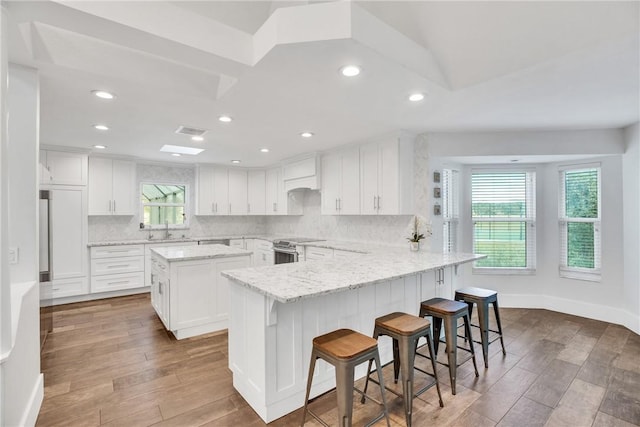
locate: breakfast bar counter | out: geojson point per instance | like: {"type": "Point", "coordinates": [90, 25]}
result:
{"type": "Point", "coordinates": [276, 311]}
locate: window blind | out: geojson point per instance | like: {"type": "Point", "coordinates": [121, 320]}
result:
{"type": "Point", "coordinates": [579, 222]}
{"type": "Point", "coordinates": [450, 210]}
{"type": "Point", "coordinates": [503, 214]}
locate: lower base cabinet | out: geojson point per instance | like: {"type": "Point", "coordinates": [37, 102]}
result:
{"type": "Point", "coordinates": [191, 297]}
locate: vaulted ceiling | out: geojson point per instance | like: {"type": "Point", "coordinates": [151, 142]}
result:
{"type": "Point", "coordinates": [274, 67]}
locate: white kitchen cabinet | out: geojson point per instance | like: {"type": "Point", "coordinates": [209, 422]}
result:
{"type": "Point", "coordinates": [386, 177]}
{"type": "Point", "coordinates": [212, 190]}
{"type": "Point", "coordinates": [256, 192]}
{"type": "Point", "coordinates": [117, 267]}
{"type": "Point", "coordinates": [191, 297]}
{"type": "Point", "coordinates": [237, 243]}
{"type": "Point", "coordinates": [147, 256]}
{"type": "Point", "coordinates": [341, 183]}
{"type": "Point", "coordinates": [262, 253]}
{"type": "Point", "coordinates": [112, 186]}
{"type": "Point", "coordinates": [274, 192]}
{"type": "Point", "coordinates": [341, 254]}
{"type": "Point", "coordinates": [438, 283]}
{"type": "Point", "coordinates": [313, 253]}
{"type": "Point", "coordinates": [68, 240]}
{"type": "Point", "coordinates": [237, 192]}
{"type": "Point", "coordinates": [62, 168]}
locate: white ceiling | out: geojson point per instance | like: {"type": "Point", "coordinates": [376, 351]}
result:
{"type": "Point", "coordinates": [273, 66]}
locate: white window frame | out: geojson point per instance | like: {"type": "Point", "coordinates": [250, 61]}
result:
{"type": "Point", "coordinates": [529, 220]}
{"type": "Point", "coordinates": [185, 205]}
{"type": "Point", "coordinates": [450, 209]}
{"type": "Point", "coordinates": [579, 273]}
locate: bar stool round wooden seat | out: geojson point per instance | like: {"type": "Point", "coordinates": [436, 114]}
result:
{"type": "Point", "coordinates": [450, 311]}
{"type": "Point", "coordinates": [406, 330]}
{"type": "Point", "coordinates": [345, 349]}
{"type": "Point", "coordinates": [483, 297]}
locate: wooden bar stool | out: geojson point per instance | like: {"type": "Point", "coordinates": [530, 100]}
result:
{"type": "Point", "coordinates": [406, 330]}
{"type": "Point", "coordinates": [483, 297]}
{"type": "Point", "coordinates": [449, 311]}
{"type": "Point", "coordinates": [345, 349]}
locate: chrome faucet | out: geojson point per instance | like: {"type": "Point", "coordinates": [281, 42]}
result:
{"type": "Point", "coordinates": [167, 235]}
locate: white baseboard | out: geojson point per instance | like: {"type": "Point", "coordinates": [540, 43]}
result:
{"type": "Point", "coordinates": [30, 415]}
{"type": "Point", "coordinates": [101, 295]}
{"type": "Point", "coordinates": [577, 308]}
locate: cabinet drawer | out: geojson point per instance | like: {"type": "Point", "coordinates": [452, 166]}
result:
{"type": "Point", "coordinates": [128, 264]}
{"type": "Point", "coordinates": [67, 287]}
{"type": "Point", "coordinates": [116, 251]}
{"type": "Point", "coordinates": [114, 282]}
{"type": "Point", "coordinates": [318, 253]}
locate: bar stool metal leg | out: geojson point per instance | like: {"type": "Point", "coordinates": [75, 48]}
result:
{"type": "Point", "coordinates": [499, 324]}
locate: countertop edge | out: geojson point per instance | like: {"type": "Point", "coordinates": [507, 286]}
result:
{"type": "Point", "coordinates": [229, 275]}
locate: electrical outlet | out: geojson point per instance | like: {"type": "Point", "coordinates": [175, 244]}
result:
{"type": "Point", "coordinates": [13, 255]}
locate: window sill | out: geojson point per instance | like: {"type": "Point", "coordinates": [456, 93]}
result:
{"type": "Point", "coordinates": [586, 276]}
{"type": "Point", "coordinates": [504, 271]}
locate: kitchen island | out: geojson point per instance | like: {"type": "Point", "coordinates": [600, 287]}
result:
{"type": "Point", "coordinates": [276, 312]}
{"type": "Point", "coordinates": [187, 290]}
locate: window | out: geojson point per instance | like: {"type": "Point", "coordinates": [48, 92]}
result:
{"type": "Point", "coordinates": [450, 210]}
{"type": "Point", "coordinates": [579, 216]}
{"type": "Point", "coordinates": [164, 204]}
{"type": "Point", "coordinates": [503, 215]}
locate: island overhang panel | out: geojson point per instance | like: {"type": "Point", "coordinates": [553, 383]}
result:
{"type": "Point", "coordinates": [276, 312]}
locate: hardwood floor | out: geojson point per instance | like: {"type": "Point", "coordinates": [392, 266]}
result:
{"type": "Point", "coordinates": [111, 363]}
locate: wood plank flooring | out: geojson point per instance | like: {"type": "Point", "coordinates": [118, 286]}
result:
{"type": "Point", "coordinates": [111, 363]}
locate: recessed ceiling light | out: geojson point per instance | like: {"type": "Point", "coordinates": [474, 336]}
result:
{"type": "Point", "coordinates": [181, 150]}
{"type": "Point", "coordinates": [350, 70]}
{"type": "Point", "coordinates": [415, 97]}
{"type": "Point", "coordinates": [235, 161]}
{"type": "Point", "coordinates": [197, 138]}
{"type": "Point", "coordinates": [264, 150]}
{"type": "Point", "coordinates": [176, 154]}
{"type": "Point", "coordinates": [225, 118]}
{"type": "Point", "coordinates": [306, 134]}
{"type": "Point", "coordinates": [101, 127]}
{"type": "Point", "coordinates": [100, 147]}
{"type": "Point", "coordinates": [103, 94]}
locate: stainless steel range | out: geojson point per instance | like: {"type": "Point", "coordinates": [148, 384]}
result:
{"type": "Point", "coordinates": [285, 250]}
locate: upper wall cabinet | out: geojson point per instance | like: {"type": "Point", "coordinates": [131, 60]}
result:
{"type": "Point", "coordinates": [273, 191]}
{"type": "Point", "coordinates": [386, 177]}
{"type": "Point", "coordinates": [63, 168]}
{"type": "Point", "coordinates": [212, 190]}
{"type": "Point", "coordinates": [238, 192]}
{"type": "Point", "coordinates": [341, 183]}
{"type": "Point", "coordinates": [112, 186]}
{"type": "Point", "coordinates": [256, 192]}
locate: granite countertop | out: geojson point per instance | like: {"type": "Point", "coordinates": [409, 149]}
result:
{"type": "Point", "coordinates": [291, 282]}
{"type": "Point", "coordinates": [190, 253]}
{"type": "Point", "coordinates": [269, 238]}
{"type": "Point", "coordinates": [359, 247]}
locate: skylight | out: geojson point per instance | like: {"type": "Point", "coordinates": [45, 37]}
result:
{"type": "Point", "coordinates": [181, 150]}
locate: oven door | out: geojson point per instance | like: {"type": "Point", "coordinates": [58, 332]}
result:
{"type": "Point", "coordinates": [284, 256]}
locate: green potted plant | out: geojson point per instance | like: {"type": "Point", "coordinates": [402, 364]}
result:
{"type": "Point", "coordinates": [417, 229]}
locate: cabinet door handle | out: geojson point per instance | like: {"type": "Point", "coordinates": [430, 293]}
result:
{"type": "Point", "coordinates": [248, 207]}
{"type": "Point", "coordinates": [152, 278]}
{"type": "Point", "coordinates": [336, 205]}
{"type": "Point", "coordinates": [275, 207]}
{"type": "Point", "coordinates": [160, 288]}
{"type": "Point", "coordinates": [378, 202]}
{"type": "Point", "coordinates": [340, 204]}
{"type": "Point", "coordinates": [374, 203]}
{"type": "Point", "coordinates": [114, 206]}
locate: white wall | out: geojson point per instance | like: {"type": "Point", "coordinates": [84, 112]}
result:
{"type": "Point", "coordinates": [631, 218]}
{"type": "Point", "coordinates": [604, 300]}
{"type": "Point", "coordinates": [22, 382]}
{"type": "Point", "coordinates": [23, 183]}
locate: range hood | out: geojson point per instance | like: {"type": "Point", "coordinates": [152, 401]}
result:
{"type": "Point", "coordinates": [303, 173]}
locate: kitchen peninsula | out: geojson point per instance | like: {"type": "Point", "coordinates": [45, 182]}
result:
{"type": "Point", "coordinates": [187, 290]}
{"type": "Point", "coordinates": [276, 312]}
